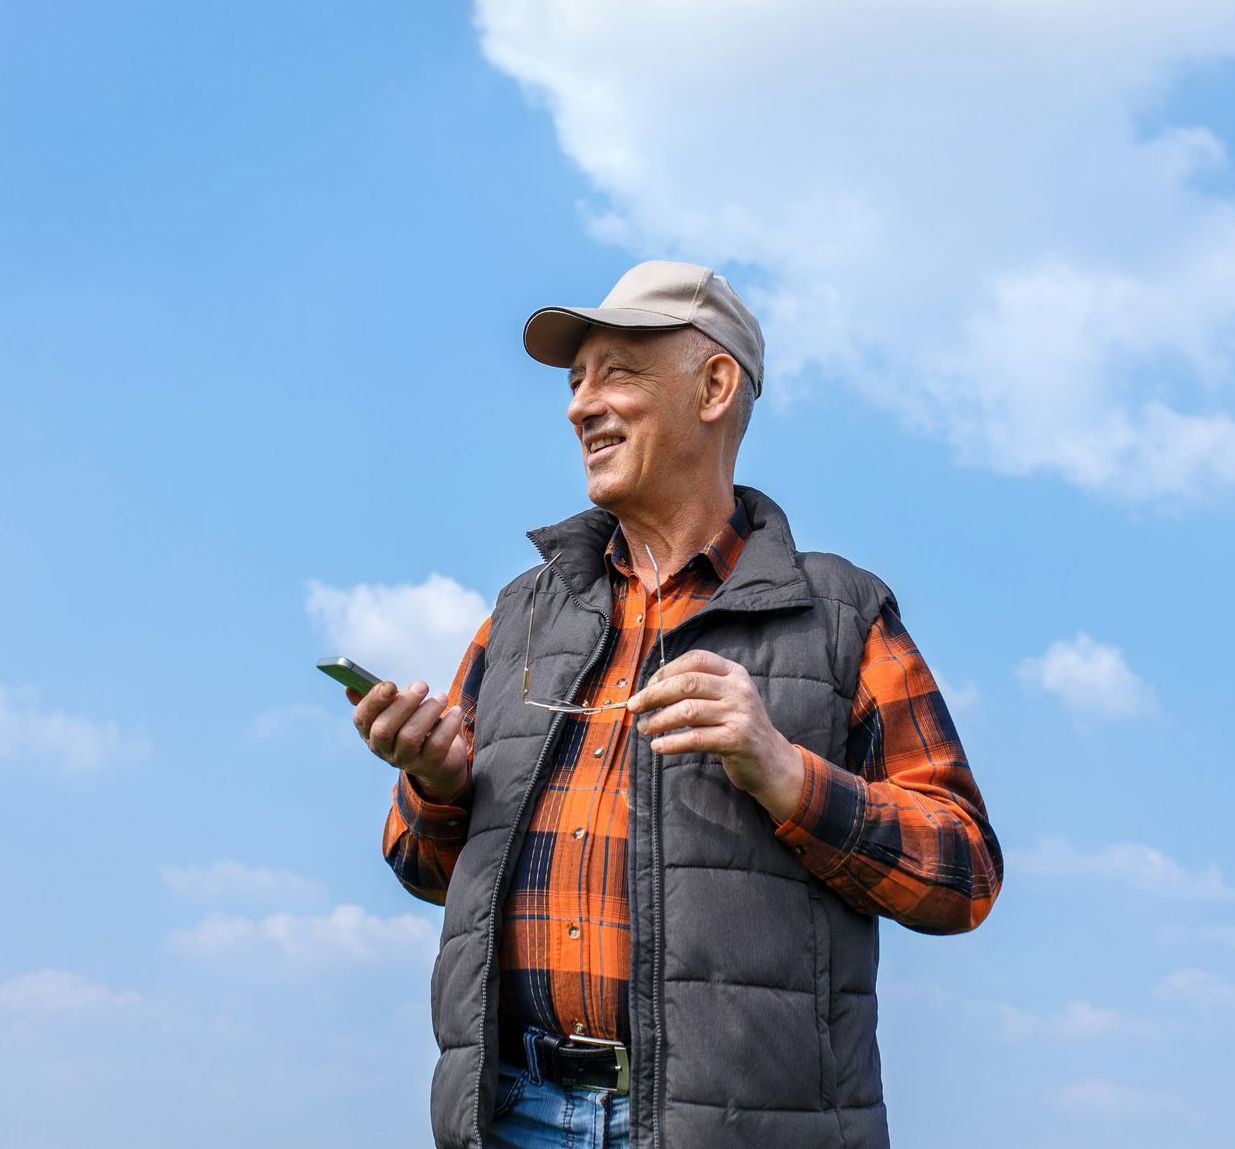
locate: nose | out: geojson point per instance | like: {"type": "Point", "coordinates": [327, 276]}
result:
{"type": "Point", "coordinates": [585, 403]}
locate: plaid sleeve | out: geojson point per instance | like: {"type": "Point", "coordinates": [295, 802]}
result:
{"type": "Point", "coordinates": [422, 839]}
{"type": "Point", "coordinates": [901, 829]}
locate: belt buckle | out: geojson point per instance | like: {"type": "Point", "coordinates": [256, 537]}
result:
{"type": "Point", "coordinates": [621, 1058]}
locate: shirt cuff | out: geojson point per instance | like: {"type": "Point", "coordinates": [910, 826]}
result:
{"type": "Point", "coordinates": [824, 829]}
{"type": "Point", "coordinates": [441, 822]}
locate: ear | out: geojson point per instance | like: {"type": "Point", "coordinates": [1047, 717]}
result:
{"type": "Point", "coordinates": [719, 387]}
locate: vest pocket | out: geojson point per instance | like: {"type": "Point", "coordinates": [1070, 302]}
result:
{"type": "Point", "coordinates": [823, 994]}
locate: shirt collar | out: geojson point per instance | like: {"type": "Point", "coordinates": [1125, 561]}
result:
{"type": "Point", "coordinates": [721, 551]}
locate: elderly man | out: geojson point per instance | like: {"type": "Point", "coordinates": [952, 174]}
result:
{"type": "Point", "coordinates": [681, 770]}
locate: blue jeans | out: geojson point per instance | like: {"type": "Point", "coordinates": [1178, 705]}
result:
{"type": "Point", "coordinates": [535, 1114]}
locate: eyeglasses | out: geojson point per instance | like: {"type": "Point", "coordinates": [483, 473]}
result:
{"type": "Point", "coordinates": [560, 705]}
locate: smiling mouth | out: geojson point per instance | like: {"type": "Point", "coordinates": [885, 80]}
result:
{"type": "Point", "coordinates": [598, 446]}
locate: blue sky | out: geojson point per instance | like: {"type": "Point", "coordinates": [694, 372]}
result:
{"type": "Point", "coordinates": [265, 270]}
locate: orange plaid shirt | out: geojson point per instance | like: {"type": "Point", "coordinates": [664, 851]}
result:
{"type": "Point", "coordinates": [898, 829]}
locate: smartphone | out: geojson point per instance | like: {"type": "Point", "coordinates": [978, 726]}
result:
{"type": "Point", "coordinates": [344, 670]}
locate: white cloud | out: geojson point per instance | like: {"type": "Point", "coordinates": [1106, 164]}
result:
{"type": "Point", "coordinates": [234, 881]}
{"type": "Point", "coordinates": [1198, 987]}
{"type": "Point", "coordinates": [35, 735]}
{"type": "Point", "coordinates": [1077, 1021]}
{"type": "Point", "coordinates": [1102, 1097]}
{"type": "Point", "coordinates": [954, 208]}
{"type": "Point", "coordinates": [51, 992]}
{"type": "Point", "coordinates": [1139, 867]}
{"type": "Point", "coordinates": [400, 632]}
{"type": "Point", "coordinates": [1090, 678]}
{"type": "Point", "coordinates": [346, 936]}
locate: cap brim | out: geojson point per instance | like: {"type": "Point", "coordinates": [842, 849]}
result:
{"type": "Point", "coordinates": [552, 335]}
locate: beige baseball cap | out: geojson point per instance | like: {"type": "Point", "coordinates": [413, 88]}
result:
{"type": "Point", "coordinates": [659, 295]}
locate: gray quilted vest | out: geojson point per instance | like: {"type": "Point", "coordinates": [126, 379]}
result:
{"type": "Point", "coordinates": [752, 993]}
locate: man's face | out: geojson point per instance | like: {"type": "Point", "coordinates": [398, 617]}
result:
{"type": "Point", "coordinates": [634, 406]}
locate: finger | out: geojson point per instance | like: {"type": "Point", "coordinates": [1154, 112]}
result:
{"type": "Point", "coordinates": [386, 726]}
{"type": "Point", "coordinates": [371, 705]}
{"type": "Point", "coordinates": [686, 684]}
{"type": "Point", "coordinates": [381, 719]}
{"type": "Point", "coordinates": [407, 741]}
{"type": "Point", "coordinates": [438, 741]}
{"type": "Point", "coordinates": [704, 660]}
{"type": "Point", "coordinates": [441, 780]}
{"type": "Point", "coordinates": [688, 712]}
{"type": "Point", "coordinates": [695, 739]}
{"type": "Point", "coordinates": [353, 695]}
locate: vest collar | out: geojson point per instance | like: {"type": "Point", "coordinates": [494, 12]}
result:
{"type": "Point", "coordinates": [765, 577]}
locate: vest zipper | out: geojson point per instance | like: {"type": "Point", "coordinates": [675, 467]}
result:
{"type": "Point", "coordinates": [658, 1005]}
{"type": "Point", "coordinates": [657, 947]}
{"type": "Point", "coordinates": [554, 727]}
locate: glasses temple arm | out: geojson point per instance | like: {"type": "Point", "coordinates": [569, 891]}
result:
{"type": "Point", "coordinates": [531, 614]}
{"type": "Point", "coordinates": [660, 605]}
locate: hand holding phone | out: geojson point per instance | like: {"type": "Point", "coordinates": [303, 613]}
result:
{"type": "Point", "coordinates": [407, 728]}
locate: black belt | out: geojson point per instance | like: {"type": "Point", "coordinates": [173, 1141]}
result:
{"type": "Point", "coordinates": [578, 1062]}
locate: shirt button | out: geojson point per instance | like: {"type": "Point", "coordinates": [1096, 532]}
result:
{"type": "Point", "coordinates": [799, 850]}
{"type": "Point", "coordinates": [621, 682]}
{"type": "Point", "coordinates": [599, 752]}
{"type": "Point", "coordinates": [639, 618]}
{"type": "Point", "coordinates": [579, 1027]}
{"type": "Point", "coordinates": [578, 832]}
{"type": "Point", "coordinates": [572, 931]}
